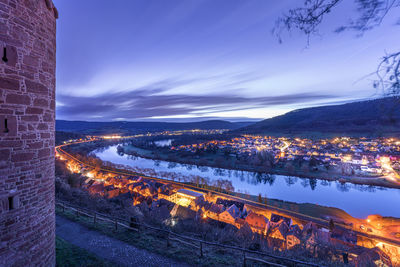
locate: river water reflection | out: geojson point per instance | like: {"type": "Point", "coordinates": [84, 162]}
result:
{"type": "Point", "coordinates": [358, 200]}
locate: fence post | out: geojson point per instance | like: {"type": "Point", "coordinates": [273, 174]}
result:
{"type": "Point", "coordinates": [244, 259]}
{"type": "Point", "coordinates": [77, 213]}
{"type": "Point", "coordinates": [94, 219]}
{"type": "Point", "coordinates": [133, 223]}
{"type": "Point", "coordinates": [168, 244]}
{"type": "Point", "coordinates": [63, 207]}
{"type": "Point", "coordinates": [116, 225]}
{"type": "Point", "coordinates": [201, 249]}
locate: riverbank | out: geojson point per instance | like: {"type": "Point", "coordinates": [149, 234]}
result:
{"type": "Point", "coordinates": [358, 180]}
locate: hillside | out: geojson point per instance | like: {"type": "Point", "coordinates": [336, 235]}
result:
{"type": "Point", "coordinates": [379, 117]}
{"type": "Point", "coordinates": [124, 127]}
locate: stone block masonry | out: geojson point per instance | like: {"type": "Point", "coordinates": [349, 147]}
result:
{"type": "Point", "coordinates": [27, 118]}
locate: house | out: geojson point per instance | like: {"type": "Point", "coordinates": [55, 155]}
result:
{"type": "Point", "coordinates": [230, 215]}
{"type": "Point", "coordinates": [164, 188]}
{"type": "Point", "coordinates": [123, 182]}
{"type": "Point", "coordinates": [147, 190]}
{"type": "Point", "coordinates": [310, 235]}
{"type": "Point", "coordinates": [275, 218]}
{"type": "Point", "coordinates": [167, 195]}
{"type": "Point", "coordinates": [135, 187]}
{"type": "Point", "coordinates": [190, 193]}
{"type": "Point", "coordinates": [343, 237]}
{"type": "Point", "coordinates": [88, 183]}
{"type": "Point", "coordinates": [324, 236]}
{"type": "Point", "coordinates": [156, 184]}
{"type": "Point", "coordinates": [279, 230]}
{"type": "Point", "coordinates": [213, 210]}
{"type": "Point", "coordinates": [357, 160]}
{"type": "Point", "coordinates": [111, 181]}
{"type": "Point", "coordinates": [239, 222]}
{"type": "Point", "coordinates": [257, 222]}
{"type": "Point", "coordinates": [293, 236]}
{"type": "Point", "coordinates": [111, 192]}
{"type": "Point", "coordinates": [96, 189]}
{"type": "Point", "coordinates": [184, 197]}
{"type": "Point", "coordinates": [124, 190]}
{"type": "Point", "coordinates": [138, 199]}
{"type": "Point", "coordinates": [228, 203]}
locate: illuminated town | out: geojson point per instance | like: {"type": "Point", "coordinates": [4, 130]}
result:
{"type": "Point", "coordinates": [353, 156]}
{"type": "Point", "coordinates": [285, 230]}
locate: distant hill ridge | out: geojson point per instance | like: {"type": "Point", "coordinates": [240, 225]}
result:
{"type": "Point", "coordinates": [87, 127]}
{"type": "Point", "coordinates": [373, 117]}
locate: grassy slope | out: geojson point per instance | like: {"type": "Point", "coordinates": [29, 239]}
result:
{"type": "Point", "coordinates": [69, 255]}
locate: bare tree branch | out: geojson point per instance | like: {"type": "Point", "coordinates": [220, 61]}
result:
{"type": "Point", "coordinates": [308, 18]}
{"type": "Point", "coordinates": [372, 13]}
{"type": "Point", "coordinates": [305, 19]}
{"type": "Point", "coordinates": [388, 73]}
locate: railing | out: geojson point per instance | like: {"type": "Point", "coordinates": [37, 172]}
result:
{"type": "Point", "coordinates": [273, 260]}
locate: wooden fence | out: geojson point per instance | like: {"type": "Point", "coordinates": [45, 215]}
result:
{"type": "Point", "coordinates": [273, 260]}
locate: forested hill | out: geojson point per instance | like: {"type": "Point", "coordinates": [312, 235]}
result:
{"type": "Point", "coordinates": [379, 117]}
{"type": "Point", "coordinates": [124, 127]}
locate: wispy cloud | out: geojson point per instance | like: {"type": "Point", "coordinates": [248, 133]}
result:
{"type": "Point", "coordinates": [155, 101]}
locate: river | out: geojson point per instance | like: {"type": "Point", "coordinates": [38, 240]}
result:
{"type": "Point", "coordinates": [357, 200]}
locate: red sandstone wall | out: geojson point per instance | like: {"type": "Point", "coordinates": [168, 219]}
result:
{"type": "Point", "coordinates": [27, 101]}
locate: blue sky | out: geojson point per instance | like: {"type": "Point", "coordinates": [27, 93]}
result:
{"type": "Point", "coordinates": [185, 60]}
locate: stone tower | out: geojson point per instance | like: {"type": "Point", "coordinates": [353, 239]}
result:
{"type": "Point", "coordinates": [27, 112]}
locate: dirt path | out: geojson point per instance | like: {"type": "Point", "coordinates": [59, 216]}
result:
{"type": "Point", "coordinates": [108, 248]}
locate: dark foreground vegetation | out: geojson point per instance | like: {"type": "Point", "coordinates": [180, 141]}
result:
{"type": "Point", "coordinates": [69, 255]}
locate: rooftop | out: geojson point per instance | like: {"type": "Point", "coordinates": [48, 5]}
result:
{"type": "Point", "coordinates": [190, 193]}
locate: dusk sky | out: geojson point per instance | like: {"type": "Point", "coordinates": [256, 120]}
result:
{"type": "Point", "coordinates": [179, 60]}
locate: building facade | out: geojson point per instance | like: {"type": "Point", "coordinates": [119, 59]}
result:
{"type": "Point", "coordinates": [27, 121]}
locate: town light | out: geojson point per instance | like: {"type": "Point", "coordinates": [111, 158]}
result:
{"type": "Point", "coordinates": [112, 137]}
{"type": "Point", "coordinates": [184, 202]}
